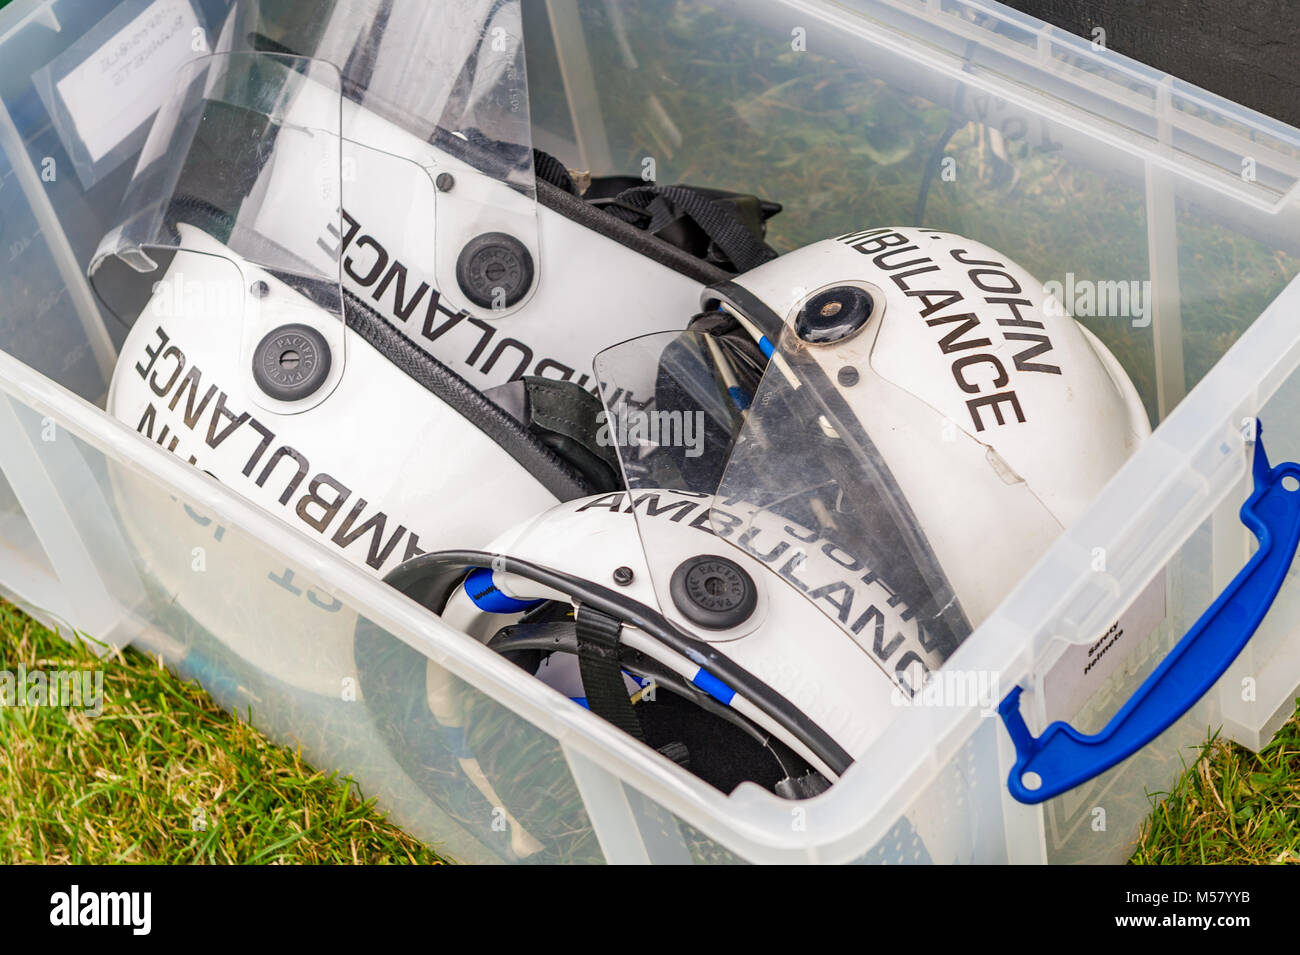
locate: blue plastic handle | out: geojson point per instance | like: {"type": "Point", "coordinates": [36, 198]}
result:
{"type": "Point", "coordinates": [1063, 757]}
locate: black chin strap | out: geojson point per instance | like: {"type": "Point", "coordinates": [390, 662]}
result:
{"type": "Point", "coordinates": [549, 169]}
{"type": "Point", "coordinates": [662, 205]}
{"type": "Point", "coordinates": [602, 675]}
{"type": "Point", "coordinates": [724, 227]}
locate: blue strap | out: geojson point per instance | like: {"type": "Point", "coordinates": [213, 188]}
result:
{"type": "Point", "coordinates": [1063, 758]}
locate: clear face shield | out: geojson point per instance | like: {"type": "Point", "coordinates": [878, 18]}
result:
{"type": "Point", "coordinates": [671, 419]}
{"type": "Point", "coordinates": [277, 157]}
{"type": "Point", "coordinates": [248, 143]}
{"type": "Point", "coordinates": [781, 469]}
{"type": "Point", "coordinates": [805, 462]}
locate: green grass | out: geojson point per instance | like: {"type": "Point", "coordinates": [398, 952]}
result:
{"type": "Point", "coordinates": [1231, 806]}
{"type": "Point", "coordinates": [163, 775]}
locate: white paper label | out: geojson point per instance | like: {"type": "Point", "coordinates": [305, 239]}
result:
{"type": "Point", "coordinates": [1083, 668]}
{"type": "Point", "coordinates": [123, 83]}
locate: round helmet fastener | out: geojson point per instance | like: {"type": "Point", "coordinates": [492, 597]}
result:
{"type": "Point", "coordinates": [494, 270]}
{"type": "Point", "coordinates": [713, 592]}
{"type": "Point", "coordinates": [834, 315]}
{"type": "Point", "coordinates": [292, 362]}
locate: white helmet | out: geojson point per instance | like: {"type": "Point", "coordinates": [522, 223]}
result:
{"type": "Point", "coordinates": [353, 301]}
{"type": "Point", "coordinates": [790, 557]}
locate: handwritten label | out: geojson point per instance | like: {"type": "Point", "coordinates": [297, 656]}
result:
{"type": "Point", "coordinates": [1082, 669]}
{"type": "Point", "coordinates": [118, 87]}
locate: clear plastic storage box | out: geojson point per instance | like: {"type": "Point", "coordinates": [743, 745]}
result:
{"type": "Point", "coordinates": [1178, 212]}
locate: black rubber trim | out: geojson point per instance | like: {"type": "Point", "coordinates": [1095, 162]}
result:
{"type": "Point", "coordinates": [550, 470]}
{"type": "Point", "coordinates": [748, 304]}
{"type": "Point", "coordinates": [414, 576]}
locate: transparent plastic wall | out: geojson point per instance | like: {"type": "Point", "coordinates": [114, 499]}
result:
{"type": "Point", "coordinates": [1084, 167]}
{"type": "Point", "coordinates": [957, 809]}
{"type": "Point", "coordinates": [358, 709]}
{"type": "Point", "coordinates": [63, 169]}
{"type": "Point", "coordinates": [1165, 218]}
{"type": "Point", "coordinates": [1162, 214]}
